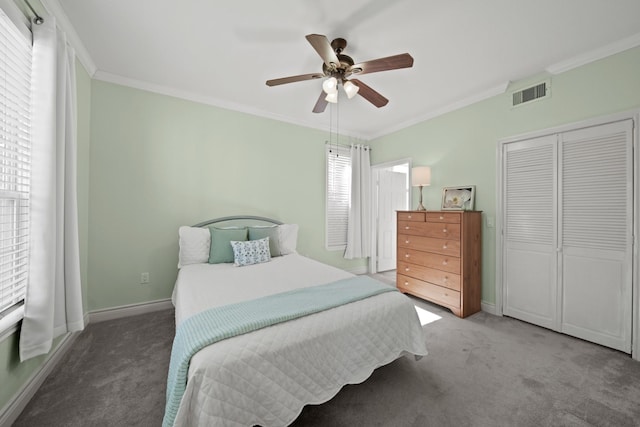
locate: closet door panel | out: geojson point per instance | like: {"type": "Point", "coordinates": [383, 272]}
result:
{"type": "Point", "coordinates": [530, 258]}
{"type": "Point", "coordinates": [595, 300]}
{"type": "Point", "coordinates": [596, 234]}
{"type": "Point", "coordinates": [530, 271]}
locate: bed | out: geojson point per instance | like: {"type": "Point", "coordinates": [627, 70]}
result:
{"type": "Point", "coordinates": [267, 375]}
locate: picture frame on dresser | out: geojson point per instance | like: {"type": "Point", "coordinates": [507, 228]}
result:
{"type": "Point", "coordinates": [459, 198]}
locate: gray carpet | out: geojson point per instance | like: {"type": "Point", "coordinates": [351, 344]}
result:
{"type": "Point", "coordinates": [481, 371]}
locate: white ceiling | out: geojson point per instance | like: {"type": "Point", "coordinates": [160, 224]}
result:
{"type": "Point", "coordinates": [222, 52]}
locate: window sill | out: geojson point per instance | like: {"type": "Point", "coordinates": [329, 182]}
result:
{"type": "Point", "coordinates": [9, 323]}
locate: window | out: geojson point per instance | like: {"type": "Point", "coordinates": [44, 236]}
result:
{"type": "Point", "coordinates": [338, 196]}
{"type": "Point", "coordinates": [15, 164]}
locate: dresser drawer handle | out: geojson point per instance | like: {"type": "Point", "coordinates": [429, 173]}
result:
{"type": "Point", "coordinates": [444, 230]}
{"type": "Point", "coordinates": [407, 269]}
{"type": "Point", "coordinates": [407, 227]}
{"type": "Point", "coordinates": [443, 246]}
{"type": "Point", "coordinates": [446, 279]}
{"type": "Point", "coordinates": [407, 255]}
{"type": "Point", "coordinates": [409, 216]}
{"type": "Point", "coordinates": [441, 217]}
{"type": "Point", "coordinates": [406, 241]}
{"type": "Point", "coordinates": [445, 262]}
{"type": "Point", "coordinates": [406, 283]}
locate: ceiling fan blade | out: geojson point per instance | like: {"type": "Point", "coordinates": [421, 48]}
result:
{"type": "Point", "coordinates": [321, 103]}
{"type": "Point", "coordinates": [404, 60]}
{"type": "Point", "coordinates": [292, 79]}
{"type": "Point", "coordinates": [321, 44]}
{"type": "Point", "coordinates": [369, 94]}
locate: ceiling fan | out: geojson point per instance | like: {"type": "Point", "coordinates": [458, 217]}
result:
{"type": "Point", "coordinates": [338, 67]}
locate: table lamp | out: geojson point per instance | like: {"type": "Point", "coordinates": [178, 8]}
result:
{"type": "Point", "coordinates": [420, 177]}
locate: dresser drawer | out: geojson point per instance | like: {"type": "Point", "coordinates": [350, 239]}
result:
{"type": "Point", "coordinates": [430, 244]}
{"type": "Point", "coordinates": [431, 275]}
{"type": "Point", "coordinates": [430, 229]}
{"type": "Point", "coordinates": [440, 262]}
{"type": "Point", "coordinates": [411, 216]}
{"type": "Point", "coordinates": [434, 293]}
{"type": "Point", "coordinates": [449, 217]}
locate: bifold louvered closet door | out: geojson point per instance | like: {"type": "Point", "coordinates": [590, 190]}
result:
{"type": "Point", "coordinates": [568, 225]}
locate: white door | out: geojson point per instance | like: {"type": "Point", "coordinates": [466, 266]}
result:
{"type": "Point", "coordinates": [530, 259]}
{"type": "Point", "coordinates": [392, 196]}
{"type": "Point", "coordinates": [596, 234]}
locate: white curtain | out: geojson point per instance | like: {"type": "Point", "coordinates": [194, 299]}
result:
{"type": "Point", "coordinates": [53, 304]}
{"type": "Point", "coordinates": [359, 224]}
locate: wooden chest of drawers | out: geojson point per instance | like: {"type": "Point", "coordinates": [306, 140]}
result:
{"type": "Point", "coordinates": [439, 258]}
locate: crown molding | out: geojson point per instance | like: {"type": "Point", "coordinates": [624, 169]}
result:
{"type": "Point", "coordinates": [480, 96]}
{"type": "Point", "coordinates": [594, 55]}
{"type": "Point", "coordinates": [53, 8]}
{"type": "Point", "coordinates": [212, 101]}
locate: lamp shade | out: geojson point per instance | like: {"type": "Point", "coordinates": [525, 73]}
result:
{"type": "Point", "coordinates": [351, 89]}
{"type": "Point", "coordinates": [330, 85]}
{"type": "Point", "coordinates": [332, 97]}
{"type": "Point", "coordinates": [420, 176]}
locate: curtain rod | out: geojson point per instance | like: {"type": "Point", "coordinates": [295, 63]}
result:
{"type": "Point", "coordinates": [37, 18]}
{"type": "Point", "coordinates": [345, 145]}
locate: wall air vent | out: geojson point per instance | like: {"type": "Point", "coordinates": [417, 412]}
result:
{"type": "Point", "coordinates": [533, 93]}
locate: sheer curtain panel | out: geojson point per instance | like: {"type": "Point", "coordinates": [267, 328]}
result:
{"type": "Point", "coordinates": [53, 304]}
{"type": "Point", "coordinates": [359, 226]}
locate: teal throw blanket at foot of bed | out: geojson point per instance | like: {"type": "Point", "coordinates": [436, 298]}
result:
{"type": "Point", "coordinates": [219, 323]}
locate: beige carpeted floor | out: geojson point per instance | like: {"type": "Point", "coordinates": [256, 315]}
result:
{"type": "Point", "coordinates": [481, 371]}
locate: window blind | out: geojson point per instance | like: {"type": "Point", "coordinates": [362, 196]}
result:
{"type": "Point", "coordinates": [15, 163]}
{"type": "Point", "coordinates": [338, 196]}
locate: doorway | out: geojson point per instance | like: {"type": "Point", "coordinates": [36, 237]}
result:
{"type": "Point", "coordinates": [391, 191]}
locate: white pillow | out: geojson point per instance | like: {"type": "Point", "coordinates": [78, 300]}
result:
{"type": "Point", "coordinates": [288, 238]}
{"type": "Point", "coordinates": [194, 245]}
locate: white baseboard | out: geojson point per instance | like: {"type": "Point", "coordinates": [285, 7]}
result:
{"type": "Point", "coordinates": [488, 307]}
{"type": "Point", "coordinates": [12, 410]}
{"type": "Point", "coordinates": [129, 310]}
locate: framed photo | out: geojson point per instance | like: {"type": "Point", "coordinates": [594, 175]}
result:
{"type": "Point", "coordinates": [459, 198]}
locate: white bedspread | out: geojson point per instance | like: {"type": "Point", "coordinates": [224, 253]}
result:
{"type": "Point", "coordinates": [267, 376]}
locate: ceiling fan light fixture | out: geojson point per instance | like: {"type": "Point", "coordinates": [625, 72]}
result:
{"type": "Point", "coordinates": [330, 85]}
{"type": "Point", "coordinates": [350, 89]}
{"type": "Point", "coordinates": [332, 97]}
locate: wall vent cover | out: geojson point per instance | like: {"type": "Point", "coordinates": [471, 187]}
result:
{"type": "Point", "coordinates": [533, 93]}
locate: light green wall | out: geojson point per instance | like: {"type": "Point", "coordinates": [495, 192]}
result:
{"type": "Point", "coordinates": [461, 146]}
{"type": "Point", "coordinates": [158, 162]}
{"type": "Point", "coordinates": [13, 374]}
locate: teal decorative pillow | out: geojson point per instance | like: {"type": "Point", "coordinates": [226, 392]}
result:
{"type": "Point", "coordinates": [220, 250]}
{"type": "Point", "coordinates": [251, 252]}
{"type": "Point", "coordinates": [256, 233]}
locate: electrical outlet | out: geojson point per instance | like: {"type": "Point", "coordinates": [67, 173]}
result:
{"type": "Point", "coordinates": [144, 278]}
